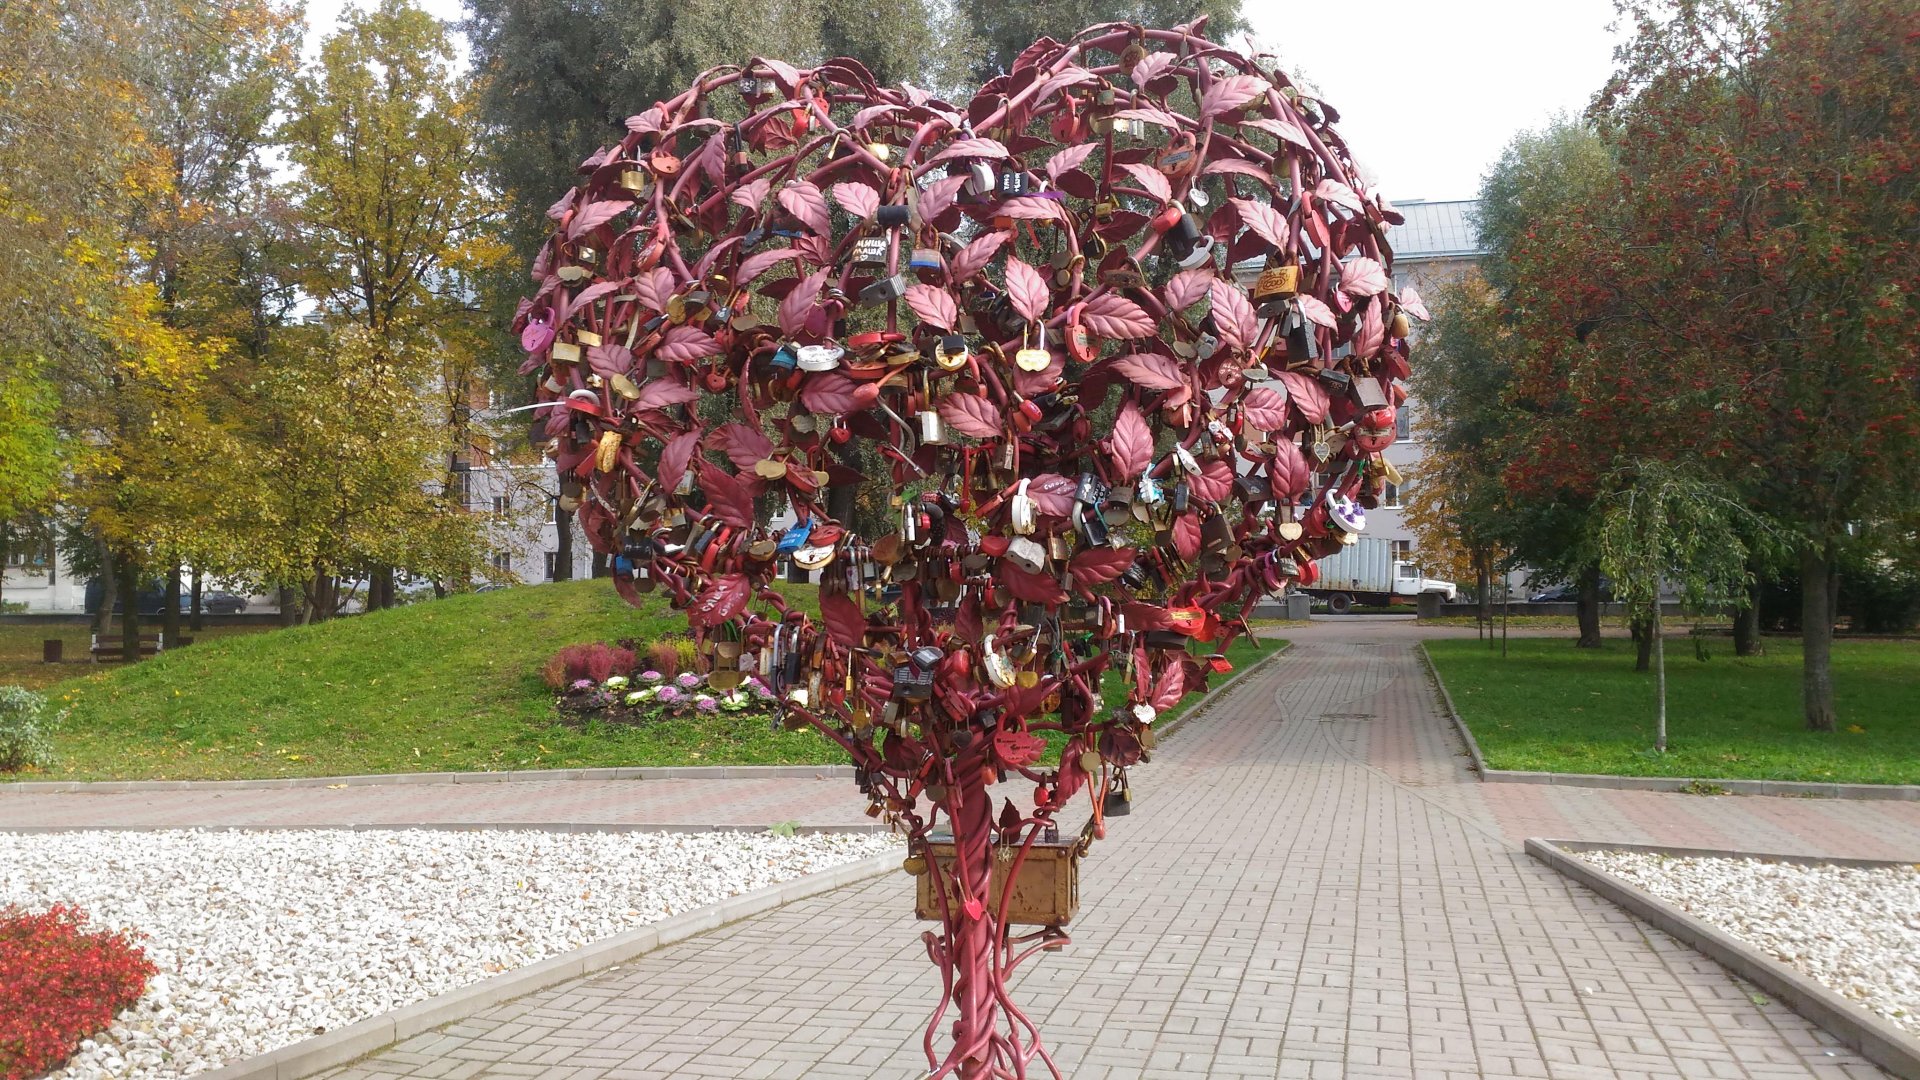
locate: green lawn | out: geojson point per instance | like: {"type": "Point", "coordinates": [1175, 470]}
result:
{"type": "Point", "coordinates": [1553, 708]}
{"type": "Point", "coordinates": [20, 663]}
{"type": "Point", "coordinates": [447, 684]}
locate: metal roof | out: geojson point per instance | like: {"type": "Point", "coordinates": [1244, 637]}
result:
{"type": "Point", "coordinates": [1436, 230]}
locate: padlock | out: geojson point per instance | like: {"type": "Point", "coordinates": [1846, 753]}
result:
{"type": "Point", "coordinates": [926, 656]}
{"type": "Point", "coordinates": [1090, 490]}
{"type": "Point", "coordinates": [911, 685]}
{"type": "Point", "coordinates": [1180, 497]}
{"type": "Point", "coordinates": [1179, 157]}
{"type": "Point", "coordinates": [951, 352]}
{"type": "Point", "coordinates": [886, 290]}
{"type": "Point", "coordinates": [784, 359]}
{"type": "Point", "coordinates": [565, 352]}
{"type": "Point", "coordinates": [980, 179]}
{"type": "Point", "coordinates": [1118, 803]}
{"type": "Point", "coordinates": [819, 357]}
{"type": "Point", "coordinates": [1276, 282]}
{"type": "Point", "coordinates": [1021, 510]}
{"type": "Point", "coordinates": [1093, 526]}
{"type": "Point", "coordinates": [1033, 357]}
{"type": "Point", "coordinates": [1000, 670]}
{"type": "Point", "coordinates": [925, 260]}
{"type": "Point", "coordinates": [1079, 342]}
{"type": "Point", "coordinates": [870, 251]}
{"type": "Point", "coordinates": [1201, 252]}
{"type": "Point", "coordinates": [1252, 489]}
{"type": "Point", "coordinates": [1207, 344]}
{"type": "Point", "coordinates": [1027, 554]}
{"type": "Point", "coordinates": [933, 430]}
{"type": "Point", "coordinates": [1012, 184]}
{"type": "Point", "coordinates": [1131, 56]}
{"type": "Point", "coordinates": [633, 181]}
{"type": "Point", "coordinates": [1148, 490]}
{"type": "Point", "coordinates": [893, 216]}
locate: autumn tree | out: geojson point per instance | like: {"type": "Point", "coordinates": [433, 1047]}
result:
{"type": "Point", "coordinates": [1756, 298]}
{"type": "Point", "coordinates": [394, 219]}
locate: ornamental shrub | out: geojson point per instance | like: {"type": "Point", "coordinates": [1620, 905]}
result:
{"type": "Point", "coordinates": [25, 729]}
{"type": "Point", "coordinates": [60, 983]}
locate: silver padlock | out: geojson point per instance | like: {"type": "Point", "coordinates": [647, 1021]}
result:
{"type": "Point", "coordinates": [1021, 510]}
{"type": "Point", "coordinates": [1208, 344]}
{"type": "Point", "coordinates": [933, 430]}
{"type": "Point", "coordinates": [1027, 554]}
{"type": "Point", "coordinates": [980, 179]}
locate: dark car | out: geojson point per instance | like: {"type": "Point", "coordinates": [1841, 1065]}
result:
{"type": "Point", "coordinates": [1570, 594]}
{"type": "Point", "coordinates": [221, 603]}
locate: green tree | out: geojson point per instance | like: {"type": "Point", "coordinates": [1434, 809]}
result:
{"type": "Point", "coordinates": [1003, 30]}
{"type": "Point", "coordinates": [395, 223]}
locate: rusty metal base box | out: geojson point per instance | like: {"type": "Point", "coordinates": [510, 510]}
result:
{"type": "Point", "coordinates": [1047, 892]}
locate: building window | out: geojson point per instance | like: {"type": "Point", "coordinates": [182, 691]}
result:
{"type": "Point", "coordinates": [1390, 499]}
{"type": "Point", "coordinates": [1403, 551]}
{"type": "Point", "coordinates": [500, 505]}
{"type": "Point", "coordinates": [1403, 421]}
{"type": "Point", "coordinates": [553, 566]}
{"type": "Point", "coordinates": [503, 561]}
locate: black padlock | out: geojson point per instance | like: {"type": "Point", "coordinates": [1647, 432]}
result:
{"type": "Point", "coordinates": [1013, 183]}
{"type": "Point", "coordinates": [1180, 497]}
{"type": "Point", "coordinates": [1093, 526]}
{"type": "Point", "coordinates": [926, 656]}
{"type": "Point", "coordinates": [1336, 381]}
{"type": "Point", "coordinates": [1252, 489]}
{"type": "Point", "coordinates": [912, 685]}
{"type": "Point", "coordinates": [1118, 803]}
{"type": "Point", "coordinates": [891, 216]}
{"type": "Point", "coordinates": [1091, 490]}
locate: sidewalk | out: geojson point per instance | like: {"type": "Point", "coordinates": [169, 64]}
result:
{"type": "Point", "coordinates": [1312, 886]}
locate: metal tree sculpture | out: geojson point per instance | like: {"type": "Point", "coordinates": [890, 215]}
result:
{"type": "Point", "coordinates": [1120, 330]}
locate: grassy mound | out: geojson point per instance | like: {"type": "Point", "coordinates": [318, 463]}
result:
{"type": "Point", "coordinates": [443, 685]}
{"type": "Point", "coordinates": [447, 684]}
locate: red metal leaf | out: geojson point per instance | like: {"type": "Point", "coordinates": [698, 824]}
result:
{"type": "Point", "coordinates": [1371, 332]}
{"type": "Point", "coordinates": [1233, 316]}
{"type": "Point", "coordinates": [1150, 68]}
{"type": "Point", "coordinates": [1315, 311]}
{"type": "Point", "coordinates": [1032, 588]}
{"type": "Point", "coordinates": [796, 304]}
{"type": "Point", "coordinates": [1292, 472]}
{"type": "Point", "coordinates": [1131, 444]}
{"type": "Point", "coordinates": [1266, 222]}
{"type": "Point", "coordinates": [934, 305]}
{"type": "Point", "coordinates": [1097, 565]}
{"type": "Point", "coordinates": [1285, 130]}
{"type": "Point", "coordinates": [662, 392]}
{"type": "Point", "coordinates": [1027, 289]}
{"type": "Point", "coordinates": [727, 498]}
{"type": "Point", "coordinates": [857, 199]}
{"type": "Point", "coordinates": [1230, 93]}
{"type": "Point", "coordinates": [646, 122]}
{"type": "Point", "coordinates": [1151, 180]}
{"type": "Point", "coordinates": [1186, 536]}
{"type": "Point", "coordinates": [1214, 481]}
{"type": "Point", "coordinates": [1068, 160]}
{"type": "Point", "coordinates": [1017, 749]}
{"type": "Point", "coordinates": [1228, 166]}
{"type": "Point", "coordinates": [1265, 408]}
{"type": "Point", "coordinates": [830, 393]}
{"type": "Point", "coordinates": [753, 266]}
{"type": "Point", "coordinates": [938, 197]}
{"type": "Point", "coordinates": [1362, 276]}
{"type": "Point", "coordinates": [1032, 208]}
{"type": "Point", "coordinates": [1052, 494]}
{"type": "Point", "coordinates": [972, 148]}
{"type": "Point", "coordinates": [610, 358]}
{"type": "Point", "coordinates": [685, 344]}
{"type": "Point", "coordinates": [1170, 686]}
{"type": "Point", "coordinates": [845, 623]}
{"type": "Point", "coordinates": [593, 215]}
{"type": "Point", "coordinates": [752, 193]}
{"type": "Point", "coordinates": [1186, 288]}
{"type": "Point", "coordinates": [1111, 315]}
{"type": "Point", "coordinates": [676, 456]}
{"type": "Point", "coordinates": [972, 414]}
{"type": "Point", "coordinates": [720, 602]}
{"type": "Point", "coordinates": [1411, 303]}
{"type": "Point", "coordinates": [808, 207]}
{"type": "Point", "coordinates": [974, 257]}
{"type": "Point", "coordinates": [1151, 370]}
{"type": "Point", "coordinates": [743, 445]}
{"type": "Point", "coordinates": [1339, 194]}
{"type": "Point", "coordinates": [1309, 398]}
{"type": "Point", "coordinates": [653, 288]}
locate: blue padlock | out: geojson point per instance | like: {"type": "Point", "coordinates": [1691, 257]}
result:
{"type": "Point", "coordinates": [794, 538]}
{"type": "Point", "coordinates": [785, 359]}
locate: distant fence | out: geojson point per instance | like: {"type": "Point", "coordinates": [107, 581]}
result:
{"type": "Point", "coordinates": [76, 618]}
{"type": "Point", "coordinates": [1607, 611]}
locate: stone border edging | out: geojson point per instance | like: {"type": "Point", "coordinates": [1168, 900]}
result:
{"type": "Point", "coordinates": [1890, 792]}
{"type": "Point", "coordinates": [463, 826]}
{"type": "Point", "coordinates": [636, 772]}
{"type": "Point", "coordinates": [1216, 693]}
{"type": "Point", "coordinates": [335, 1048]}
{"type": "Point", "coordinates": [1884, 1044]}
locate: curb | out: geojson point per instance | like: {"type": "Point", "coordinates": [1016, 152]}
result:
{"type": "Point", "coordinates": [684, 772]}
{"type": "Point", "coordinates": [1216, 693]}
{"type": "Point", "coordinates": [322, 1052]}
{"type": "Point", "coordinates": [1883, 792]}
{"type": "Point", "coordinates": [1884, 1044]}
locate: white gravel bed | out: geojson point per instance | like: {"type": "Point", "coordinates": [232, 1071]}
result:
{"type": "Point", "coordinates": [267, 937]}
{"type": "Point", "coordinates": [1857, 931]}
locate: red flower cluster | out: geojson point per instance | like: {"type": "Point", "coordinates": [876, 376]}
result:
{"type": "Point", "coordinates": [60, 983]}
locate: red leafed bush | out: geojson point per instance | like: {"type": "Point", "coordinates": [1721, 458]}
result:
{"type": "Point", "coordinates": [595, 662]}
{"type": "Point", "coordinates": [60, 983]}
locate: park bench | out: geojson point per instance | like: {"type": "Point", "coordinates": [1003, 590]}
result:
{"type": "Point", "coordinates": [106, 648]}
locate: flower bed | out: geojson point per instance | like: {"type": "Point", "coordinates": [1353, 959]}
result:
{"type": "Point", "coordinates": [652, 695]}
{"type": "Point", "coordinates": [60, 983]}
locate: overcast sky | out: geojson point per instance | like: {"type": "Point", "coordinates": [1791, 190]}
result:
{"type": "Point", "coordinates": [1428, 91]}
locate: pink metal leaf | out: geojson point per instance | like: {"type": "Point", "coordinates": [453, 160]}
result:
{"type": "Point", "coordinates": [1095, 566]}
{"type": "Point", "coordinates": [845, 623]}
{"type": "Point", "coordinates": [1292, 472]}
{"type": "Point", "coordinates": [593, 215]}
{"type": "Point", "coordinates": [1032, 208]}
{"type": "Point", "coordinates": [1309, 398]}
{"type": "Point", "coordinates": [1265, 408]}
{"type": "Point", "coordinates": [1159, 117]}
{"type": "Point", "coordinates": [1151, 370]}
{"type": "Point", "coordinates": [1151, 67]}
{"type": "Point", "coordinates": [1131, 444]}
{"type": "Point", "coordinates": [1266, 222]}
{"type": "Point", "coordinates": [1362, 277]}
{"type": "Point", "coordinates": [1411, 303]}
{"type": "Point", "coordinates": [796, 304]}
{"type": "Point", "coordinates": [857, 199]}
{"type": "Point", "coordinates": [1151, 180]}
{"type": "Point", "coordinates": [1111, 315]}
{"type": "Point", "coordinates": [972, 148]}
{"type": "Point", "coordinates": [685, 344]}
{"type": "Point", "coordinates": [721, 601]}
{"type": "Point", "coordinates": [727, 498]}
{"type": "Point", "coordinates": [1233, 316]}
{"type": "Point", "coordinates": [808, 206]}
{"type": "Point", "coordinates": [939, 196]}
{"type": "Point", "coordinates": [1339, 194]}
{"type": "Point", "coordinates": [743, 445]}
{"type": "Point", "coordinates": [1186, 288]}
{"type": "Point", "coordinates": [754, 265]}
{"type": "Point", "coordinates": [1315, 311]}
{"type": "Point", "coordinates": [974, 257]}
{"type": "Point", "coordinates": [1285, 130]}
{"type": "Point", "coordinates": [1186, 541]}
{"type": "Point", "coordinates": [610, 358]}
{"type": "Point", "coordinates": [972, 414]}
{"type": "Point", "coordinates": [1052, 494]}
{"type": "Point", "coordinates": [1027, 288]}
{"type": "Point", "coordinates": [663, 392]}
{"type": "Point", "coordinates": [1068, 160]}
{"type": "Point", "coordinates": [1214, 481]}
{"type": "Point", "coordinates": [934, 305]}
{"type": "Point", "coordinates": [676, 456]}
{"type": "Point", "coordinates": [1230, 93]}
{"type": "Point", "coordinates": [1228, 166]}
{"type": "Point", "coordinates": [752, 193]}
{"type": "Point", "coordinates": [830, 393]}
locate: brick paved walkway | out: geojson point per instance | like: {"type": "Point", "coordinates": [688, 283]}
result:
{"type": "Point", "coordinates": [1312, 887]}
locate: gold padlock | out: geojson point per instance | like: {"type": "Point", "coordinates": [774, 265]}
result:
{"type": "Point", "coordinates": [1276, 281]}
{"type": "Point", "coordinates": [566, 352]}
{"type": "Point", "coordinates": [586, 337]}
{"type": "Point", "coordinates": [633, 180]}
{"type": "Point", "coordinates": [1031, 357]}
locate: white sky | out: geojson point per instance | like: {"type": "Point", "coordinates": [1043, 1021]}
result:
{"type": "Point", "coordinates": [1428, 91]}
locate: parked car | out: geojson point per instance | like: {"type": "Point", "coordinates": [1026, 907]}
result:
{"type": "Point", "coordinates": [1570, 594]}
{"type": "Point", "coordinates": [221, 603]}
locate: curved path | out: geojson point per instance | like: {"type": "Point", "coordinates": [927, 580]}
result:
{"type": "Point", "coordinates": [1312, 887]}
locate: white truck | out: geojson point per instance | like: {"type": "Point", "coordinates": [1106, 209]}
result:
{"type": "Point", "coordinates": [1367, 573]}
